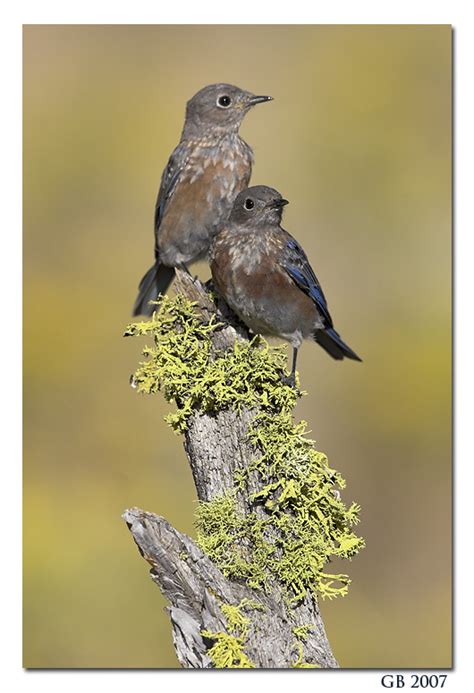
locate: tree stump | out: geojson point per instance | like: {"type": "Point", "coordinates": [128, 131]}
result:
{"type": "Point", "coordinates": [220, 618]}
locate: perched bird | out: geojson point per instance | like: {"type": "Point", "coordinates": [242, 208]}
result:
{"type": "Point", "coordinates": [206, 171]}
{"type": "Point", "coordinates": [265, 277]}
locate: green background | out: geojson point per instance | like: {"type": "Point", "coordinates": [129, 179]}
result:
{"type": "Point", "coordinates": [359, 140]}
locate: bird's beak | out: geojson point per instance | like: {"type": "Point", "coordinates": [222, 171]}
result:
{"type": "Point", "coordinates": [278, 203]}
{"type": "Point", "coordinates": [253, 100]}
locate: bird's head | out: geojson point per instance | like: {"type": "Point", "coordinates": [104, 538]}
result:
{"type": "Point", "coordinates": [220, 107]}
{"type": "Point", "coordinates": [259, 205]}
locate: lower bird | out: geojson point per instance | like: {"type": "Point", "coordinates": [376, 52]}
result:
{"type": "Point", "coordinates": [265, 277]}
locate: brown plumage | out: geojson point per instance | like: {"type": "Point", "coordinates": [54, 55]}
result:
{"type": "Point", "coordinates": [265, 277]}
{"type": "Point", "coordinates": [206, 171]}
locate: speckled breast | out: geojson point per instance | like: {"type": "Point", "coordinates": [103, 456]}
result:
{"type": "Point", "coordinates": [212, 178]}
{"type": "Point", "coordinates": [246, 270]}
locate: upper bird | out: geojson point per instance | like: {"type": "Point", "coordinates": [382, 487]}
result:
{"type": "Point", "coordinates": [204, 174]}
{"type": "Point", "coordinates": [264, 275]}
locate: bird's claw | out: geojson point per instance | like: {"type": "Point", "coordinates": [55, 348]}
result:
{"type": "Point", "coordinates": [222, 325]}
{"type": "Point", "coordinates": [289, 380]}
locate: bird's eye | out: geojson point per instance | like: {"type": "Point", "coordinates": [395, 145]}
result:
{"type": "Point", "coordinates": [249, 204]}
{"type": "Point", "coordinates": [224, 101]}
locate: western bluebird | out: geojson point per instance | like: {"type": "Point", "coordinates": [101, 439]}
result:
{"type": "Point", "coordinates": [206, 171]}
{"type": "Point", "coordinates": [264, 275]}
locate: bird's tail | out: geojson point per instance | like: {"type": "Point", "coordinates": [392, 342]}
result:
{"type": "Point", "coordinates": [155, 282]}
{"type": "Point", "coordinates": [333, 344]}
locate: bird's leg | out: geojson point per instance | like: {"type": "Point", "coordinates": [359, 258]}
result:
{"type": "Point", "coordinates": [183, 267]}
{"type": "Point", "coordinates": [293, 367]}
{"type": "Point", "coordinates": [291, 379]}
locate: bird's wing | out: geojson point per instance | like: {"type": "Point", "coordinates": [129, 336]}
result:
{"type": "Point", "coordinates": [169, 180]}
{"type": "Point", "coordinates": [297, 266]}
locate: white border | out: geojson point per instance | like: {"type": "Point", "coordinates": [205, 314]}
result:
{"type": "Point", "coordinates": [456, 13]}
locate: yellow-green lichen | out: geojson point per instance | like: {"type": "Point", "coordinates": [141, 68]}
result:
{"type": "Point", "coordinates": [305, 524]}
{"type": "Point", "coordinates": [181, 364]}
{"type": "Point", "coordinates": [234, 541]}
{"type": "Point", "coordinates": [301, 632]}
{"type": "Point", "coordinates": [299, 664]}
{"type": "Point", "coordinates": [227, 649]}
{"type": "Point", "coordinates": [227, 652]}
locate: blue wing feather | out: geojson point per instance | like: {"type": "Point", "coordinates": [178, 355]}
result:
{"type": "Point", "coordinates": [297, 265]}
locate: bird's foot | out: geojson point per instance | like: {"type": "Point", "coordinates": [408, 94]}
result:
{"type": "Point", "coordinates": [221, 325]}
{"type": "Point", "coordinates": [289, 380]}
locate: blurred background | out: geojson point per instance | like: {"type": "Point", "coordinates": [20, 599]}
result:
{"type": "Point", "coordinates": [359, 140]}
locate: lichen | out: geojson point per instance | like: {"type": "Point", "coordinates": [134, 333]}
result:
{"type": "Point", "coordinates": [305, 524]}
{"type": "Point", "coordinates": [234, 541]}
{"type": "Point", "coordinates": [182, 365]}
{"type": "Point", "coordinates": [227, 651]}
{"type": "Point", "coordinates": [300, 664]}
{"type": "Point", "coordinates": [301, 632]}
